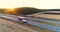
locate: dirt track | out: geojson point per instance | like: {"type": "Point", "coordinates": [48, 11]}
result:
{"type": "Point", "coordinates": [49, 16]}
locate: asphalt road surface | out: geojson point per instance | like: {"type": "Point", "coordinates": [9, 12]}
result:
{"type": "Point", "coordinates": [12, 26]}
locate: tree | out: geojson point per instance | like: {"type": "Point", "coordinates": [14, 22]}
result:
{"type": "Point", "coordinates": [1, 10]}
{"type": "Point", "coordinates": [27, 10]}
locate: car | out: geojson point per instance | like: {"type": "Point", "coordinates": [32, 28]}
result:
{"type": "Point", "coordinates": [22, 19]}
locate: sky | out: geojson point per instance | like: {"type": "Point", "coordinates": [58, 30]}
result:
{"type": "Point", "coordinates": [40, 4]}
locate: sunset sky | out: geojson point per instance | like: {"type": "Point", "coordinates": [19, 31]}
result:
{"type": "Point", "coordinates": [41, 4]}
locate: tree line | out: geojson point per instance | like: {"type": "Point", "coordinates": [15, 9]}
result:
{"type": "Point", "coordinates": [27, 10]}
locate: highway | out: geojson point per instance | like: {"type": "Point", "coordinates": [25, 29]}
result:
{"type": "Point", "coordinates": [13, 26]}
{"type": "Point", "coordinates": [40, 24]}
{"type": "Point", "coordinates": [49, 24]}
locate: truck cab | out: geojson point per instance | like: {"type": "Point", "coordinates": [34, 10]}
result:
{"type": "Point", "coordinates": [22, 19]}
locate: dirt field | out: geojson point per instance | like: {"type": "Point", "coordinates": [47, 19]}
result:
{"type": "Point", "coordinates": [49, 16]}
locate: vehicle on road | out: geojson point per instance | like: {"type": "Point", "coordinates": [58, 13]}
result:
{"type": "Point", "coordinates": [22, 19]}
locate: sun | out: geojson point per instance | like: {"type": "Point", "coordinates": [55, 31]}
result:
{"type": "Point", "coordinates": [10, 9]}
